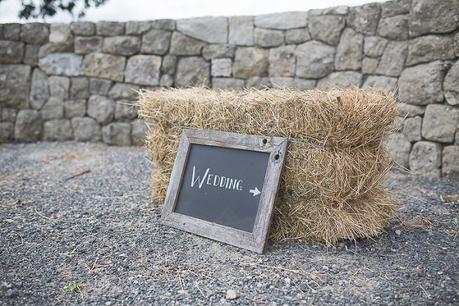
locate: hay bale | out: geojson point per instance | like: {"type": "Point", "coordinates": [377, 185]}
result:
{"type": "Point", "coordinates": [335, 162]}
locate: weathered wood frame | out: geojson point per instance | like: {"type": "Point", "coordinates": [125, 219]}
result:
{"type": "Point", "coordinates": [254, 241]}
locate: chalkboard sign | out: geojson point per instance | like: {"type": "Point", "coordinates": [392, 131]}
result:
{"type": "Point", "coordinates": [223, 186]}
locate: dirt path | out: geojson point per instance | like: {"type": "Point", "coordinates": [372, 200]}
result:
{"type": "Point", "coordinates": [76, 226]}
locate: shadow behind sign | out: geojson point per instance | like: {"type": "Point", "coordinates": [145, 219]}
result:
{"type": "Point", "coordinates": [222, 185]}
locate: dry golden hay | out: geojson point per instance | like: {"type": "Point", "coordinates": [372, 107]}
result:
{"type": "Point", "coordinates": [336, 159]}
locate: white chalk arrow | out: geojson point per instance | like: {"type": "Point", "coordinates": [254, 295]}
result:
{"type": "Point", "coordinates": [255, 191]}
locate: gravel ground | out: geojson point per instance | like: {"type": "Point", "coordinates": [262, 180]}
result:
{"type": "Point", "coordinates": [95, 238]}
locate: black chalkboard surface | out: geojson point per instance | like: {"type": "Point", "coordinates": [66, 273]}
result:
{"type": "Point", "coordinates": [223, 186]}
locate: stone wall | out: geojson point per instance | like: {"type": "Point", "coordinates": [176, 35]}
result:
{"type": "Point", "coordinates": [79, 80]}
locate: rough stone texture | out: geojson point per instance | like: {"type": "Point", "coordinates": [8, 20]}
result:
{"type": "Point", "coordinates": [428, 16]}
{"type": "Point", "coordinates": [340, 79]}
{"type": "Point", "coordinates": [125, 110]}
{"type": "Point", "coordinates": [374, 46]}
{"type": "Point", "coordinates": [425, 159]}
{"type": "Point", "coordinates": [192, 71]}
{"type": "Point", "coordinates": [387, 84]}
{"type": "Point", "coordinates": [60, 33]}
{"type": "Point", "coordinates": [101, 108]}
{"type": "Point", "coordinates": [28, 126]}
{"type": "Point", "coordinates": [8, 115]}
{"type": "Point", "coordinates": [117, 133]}
{"type": "Point", "coordinates": [75, 108]}
{"type": "Point", "coordinates": [35, 33]}
{"type": "Point", "coordinates": [137, 27]}
{"type": "Point", "coordinates": [85, 45]}
{"type": "Point", "coordinates": [31, 55]}
{"type": "Point", "coordinates": [395, 7]}
{"type": "Point", "coordinates": [168, 65]}
{"type": "Point", "coordinates": [58, 130]}
{"type": "Point", "coordinates": [451, 85]}
{"type": "Point", "coordinates": [59, 87]}
{"type": "Point", "coordinates": [440, 123]}
{"type": "Point", "coordinates": [221, 67]}
{"type": "Point", "coordinates": [39, 91]}
{"type": "Point", "coordinates": [110, 28]}
{"type": "Point", "coordinates": [227, 83]}
{"type": "Point", "coordinates": [138, 132]}
{"type": "Point", "coordinates": [6, 131]}
{"type": "Point", "coordinates": [218, 51]}
{"type": "Point", "coordinates": [314, 60]}
{"type": "Point", "coordinates": [121, 45]}
{"type": "Point", "coordinates": [184, 45]}
{"type": "Point", "coordinates": [163, 24]}
{"type": "Point", "coordinates": [369, 65]}
{"type": "Point", "coordinates": [53, 109]}
{"type": "Point", "coordinates": [241, 30]}
{"type": "Point", "coordinates": [209, 29]}
{"type": "Point", "coordinates": [86, 129]}
{"type": "Point", "coordinates": [103, 66]}
{"type": "Point", "coordinates": [282, 21]}
{"type": "Point", "coordinates": [364, 19]}
{"type": "Point", "coordinates": [297, 36]}
{"type": "Point", "coordinates": [421, 84]}
{"type": "Point", "coordinates": [285, 82]}
{"type": "Point", "coordinates": [61, 64]}
{"type": "Point", "coordinates": [11, 52]}
{"type": "Point", "coordinates": [14, 85]}
{"type": "Point", "coordinates": [399, 147]}
{"type": "Point", "coordinates": [79, 88]}
{"type": "Point", "coordinates": [412, 128]}
{"type": "Point", "coordinates": [395, 27]}
{"type": "Point", "coordinates": [326, 28]}
{"type": "Point", "coordinates": [334, 10]}
{"type": "Point", "coordinates": [156, 42]}
{"type": "Point", "coordinates": [250, 62]}
{"type": "Point", "coordinates": [268, 38]}
{"type": "Point", "coordinates": [12, 31]}
{"type": "Point", "coordinates": [430, 48]}
{"type": "Point", "coordinates": [143, 69]}
{"type": "Point", "coordinates": [124, 91]}
{"type": "Point", "coordinates": [258, 82]}
{"type": "Point", "coordinates": [99, 86]}
{"type": "Point", "coordinates": [393, 59]}
{"type": "Point", "coordinates": [349, 51]}
{"type": "Point", "coordinates": [166, 80]}
{"type": "Point", "coordinates": [450, 161]}
{"type": "Point", "coordinates": [83, 28]}
{"type": "Point", "coordinates": [408, 110]}
{"type": "Point", "coordinates": [282, 61]}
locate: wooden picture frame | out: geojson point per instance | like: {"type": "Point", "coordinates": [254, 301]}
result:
{"type": "Point", "coordinates": [255, 241]}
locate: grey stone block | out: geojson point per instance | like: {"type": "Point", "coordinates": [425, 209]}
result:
{"type": "Point", "coordinates": [451, 85]}
{"type": "Point", "coordinates": [185, 45]}
{"type": "Point", "coordinates": [12, 31]}
{"type": "Point", "coordinates": [295, 83]}
{"type": "Point", "coordinates": [314, 60]}
{"type": "Point", "coordinates": [258, 82]}
{"type": "Point", "coordinates": [11, 52]}
{"type": "Point", "coordinates": [29, 126]}
{"type": "Point", "coordinates": [125, 110]}
{"type": "Point", "coordinates": [79, 88]}
{"type": "Point", "coordinates": [61, 64]}
{"type": "Point", "coordinates": [268, 38]}
{"type": "Point", "coordinates": [408, 110]}
{"type": "Point", "coordinates": [326, 28]}
{"type": "Point", "coordinates": [218, 51]}
{"type": "Point", "coordinates": [59, 130]}
{"type": "Point", "coordinates": [340, 79]}
{"type": "Point", "coordinates": [297, 36]}
{"type": "Point", "coordinates": [425, 159]}
{"type": "Point", "coordinates": [138, 132]}
{"type": "Point", "coordinates": [369, 65]}
{"type": "Point", "coordinates": [412, 128]}
{"type": "Point", "coordinates": [39, 92]}
{"type": "Point", "coordinates": [221, 67]}
{"type": "Point", "coordinates": [421, 84]}
{"type": "Point", "coordinates": [103, 66]}
{"type": "Point", "coordinates": [430, 48]}
{"type": "Point", "coordinates": [6, 131]}
{"type": "Point", "coordinates": [440, 123]}
{"type": "Point", "coordinates": [365, 18]}
{"type": "Point", "coordinates": [192, 71]}
{"type": "Point", "coordinates": [121, 45]}
{"type": "Point", "coordinates": [349, 51]}
{"type": "Point", "coordinates": [83, 28]}
{"type": "Point", "coordinates": [399, 148]}
{"type": "Point", "coordinates": [99, 86]}
{"type": "Point", "coordinates": [374, 46]}
{"type": "Point", "coordinates": [282, 61]}
{"type": "Point", "coordinates": [393, 59]}
{"type": "Point", "coordinates": [450, 162]}
{"type": "Point", "coordinates": [35, 33]}
{"type": "Point", "coordinates": [384, 83]}
{"type": "Point", "coordinates": [86, 129]}
{"type": "Point", "coordinates": [110, 28]}
{"type": "Point", "coordinates": [166, 80]}
{"type": "Point", "coordinates": [143, 70]}
{"type": "Point", "coordinates": [117, 133]}
{"type": "Point", "coordinates": [124, 91]}
{"type": "Point", "coordinates": [250, 62]}
{"type": "Point", "coordinates": [395, 27]}
{"type": "Point", "coordinates": [31, 55]}
{"type": "Point", "coordinates": [395, 7]}
{"type": "Point", "coordinates": [427, 16]}
{"type": "Point", "coordinates": [282, 21]}
{"type": "Point", "coordinates": [60, 33]}
{"type": "Point", "coordinates": [59, 87]}
{"type": "Point", "coordinates": [8, 115]}
{"type": "Point", "coordinates": [168, 65]}
{"type": "Point", "coordinates": [227, 83]}
{"type": "Point", "coordinates": [53, 109]}
{"type": "Point", "coordinates": [241, 30]}
{"type": "Point", "coordinates": [156, 42]}
{"type": "Point", "coordinates": [209, 29]}
{"type": "Point", "coordinates": [88, 44]}
{"type": "Point", "coordinates": [75, 108]}
{"type": "Point", "coordinates": [14, 84]}
{"type": "Point", "coordinates": [101, 108]}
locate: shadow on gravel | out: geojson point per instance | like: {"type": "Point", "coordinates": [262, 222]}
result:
{"type": "Point", "coordinates": [76, 226]}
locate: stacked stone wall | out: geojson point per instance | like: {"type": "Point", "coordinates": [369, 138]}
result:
{"type": "Point", "coordinates": [78, 81]}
